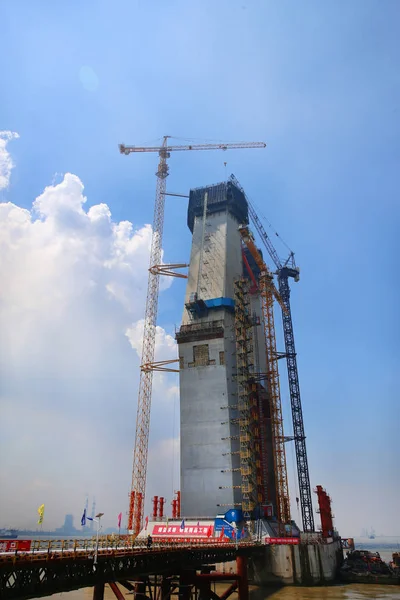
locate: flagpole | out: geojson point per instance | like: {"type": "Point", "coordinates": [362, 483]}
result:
{"type": "Point", "coordinates": [98, 521]}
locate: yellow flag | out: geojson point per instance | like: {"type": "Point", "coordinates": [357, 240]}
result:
{"type": "Point", "coordinates": [41, 513]}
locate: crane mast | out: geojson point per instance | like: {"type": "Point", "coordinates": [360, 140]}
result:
{"type": "Point", "coordinates": [295, 400]}
{"type": "Point", "coordinates": [139, 471]}
{"type": "Point", "coordinates": [268, 292]}
{"type": "Point", "coordinates": [286, 270]}
{"type": "Point", "coordinates": [149, 337]}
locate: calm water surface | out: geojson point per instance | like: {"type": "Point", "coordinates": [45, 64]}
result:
{"type": "Point", "coordinates": [337, 592]}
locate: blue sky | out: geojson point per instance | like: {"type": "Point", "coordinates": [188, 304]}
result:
{"type": "Point", "coordinates": [319, 82]}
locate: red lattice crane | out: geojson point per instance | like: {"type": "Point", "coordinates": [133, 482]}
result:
{"type": "Point", "coordinates": [268, 292]}
{"type": "Point", "coordinates": [137, 494]}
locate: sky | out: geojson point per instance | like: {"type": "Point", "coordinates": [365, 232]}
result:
{"type": "Point", "coordinates": [319, 83]}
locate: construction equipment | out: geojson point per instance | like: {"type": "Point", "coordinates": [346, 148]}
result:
{"type": "Point", "coordinates": [268, 292]}
{"type": "Point", "coordinates": [249, 438]}
{"type": "Point", "coordinates": [285, 270]}
{"type": "Point", "coordinates": [137, 494]}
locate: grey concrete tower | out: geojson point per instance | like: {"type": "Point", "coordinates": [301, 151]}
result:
{"type": "Point", "coordinates": [207, 352]}
{"type": "Point", "coordinates": [210, 462]}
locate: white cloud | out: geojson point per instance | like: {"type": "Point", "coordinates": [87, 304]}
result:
{"type": "Point", "coordinates": [6, 163]}
{"type": "Point", "coordinates": [166, 346]}
{"type": "Point", "coordinates": [73, 294]}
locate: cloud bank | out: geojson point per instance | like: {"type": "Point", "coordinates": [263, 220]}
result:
{"type": "Point", "coordinates": [71, 320]}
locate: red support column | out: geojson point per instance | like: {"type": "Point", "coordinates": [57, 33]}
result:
{"type": "Point", "coordinates": [98, 591]}
{"type": "Point", "coordinates": [155, 508]}
{"type": "Point", "coordinates": [161, 503]}
{"type": "Point", "coordinates": [204, 585]}
{"type": "Point", "coordinates": [325, 511]}
{"type": "Point", "coordinates": [138, 512]}
{"type": "Point", "coordinates": [232, 588]}
{"type": "Point", "coordinates": [241, 567]}
{"type": "Point", "coordinates": [117, 592]}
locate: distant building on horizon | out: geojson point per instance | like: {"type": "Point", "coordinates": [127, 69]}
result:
{"type": "Point", "coordinates": [68, 527]}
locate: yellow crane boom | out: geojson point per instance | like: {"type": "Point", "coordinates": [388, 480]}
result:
{"type": "Point", "coordinates": [268, 291]}
{"type": "Point", "coordinates": [139, 471]}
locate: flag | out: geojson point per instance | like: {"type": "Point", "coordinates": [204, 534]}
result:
{"type": "Point", "coordinates": [119, 520]}
{"type": "Point", "coordinates": [243, 532]}
{"type": "Point", "coordinates": [221, 535]}
{"type": "Point", "coordinates": [146, 522]}
{"type": "Point", "coordinates": [83, 519]}
{"type": "Point", "coordinates": [89, 518]}
{"type": "Point", "coordinates": [183, 524]}
{"type": "Point", "coordinates": [209, 531]}
{"type": "Point", "coordinates": [41, 514]}
{"type": "Point", "coordinates": [198, 523]}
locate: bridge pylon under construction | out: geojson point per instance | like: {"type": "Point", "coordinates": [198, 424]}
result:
{"type": "Point", "coordinates": [229, 439]}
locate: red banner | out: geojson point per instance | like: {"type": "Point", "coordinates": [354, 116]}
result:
{"type": "Point", "coordinates": [12, 545]}
{"type": "Point", "coordinates": [202, 531]}
{"type": "Point", "coordinates": [288, 540]}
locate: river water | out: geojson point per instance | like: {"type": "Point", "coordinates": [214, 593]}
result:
{"type": "Point", "coordinates": [336, 592]}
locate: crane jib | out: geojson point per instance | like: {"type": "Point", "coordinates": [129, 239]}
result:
{"type": "Point", "coordinates": [128, 149]}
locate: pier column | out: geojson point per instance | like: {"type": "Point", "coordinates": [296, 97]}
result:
{"type": "Point", "coordinates": [98, 591]}
{"type": "Point", "coordinates": [241, 567]}
{"type": "Point", "coordinates": [205, 585]}
{"type": "Point", "coordinates": [166, 588]}
{"type": "Point", "coordinates": [185, 586]}
{"type": "Point", "coordinates": [140, 588]}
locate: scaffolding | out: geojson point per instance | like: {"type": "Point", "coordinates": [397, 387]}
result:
{"type": "Point", "coordinates": [268, 292]}
{"type": "Point", "coordinates": [267, 302]}
{"type": "Point", "coordinates": [249, 433]}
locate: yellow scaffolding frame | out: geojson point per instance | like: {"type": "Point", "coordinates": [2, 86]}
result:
{"type": "Point", "coordinates": [248, 417]}
{"type": "Point", "coordinates": [267, 292]}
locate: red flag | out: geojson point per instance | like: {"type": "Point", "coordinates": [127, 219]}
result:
{"type": "Point", "coordinates": [146, 522]}
{"type": "Point", "coordinates": [209, 531]}
{"type": "Point", "coordinates": [119, 520]}
{"type": "Point", "coordinates": [221, 535]}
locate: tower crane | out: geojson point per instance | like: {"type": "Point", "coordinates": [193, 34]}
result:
{"type": "Point", "coordinates": [284, 271]}
{"type": "Point", "coordinates": [138, 487]}
{"type": "Point", "coordinates": [268, 292]}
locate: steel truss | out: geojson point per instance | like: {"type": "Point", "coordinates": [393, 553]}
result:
{"type": "Point", "coordinates": [295, 400]}
{"type": "Point", "coordinates": [22, 579]}
{"type": "Point", "coordinates": [249, 435]}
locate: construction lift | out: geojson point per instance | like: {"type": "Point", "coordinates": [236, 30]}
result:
{"type": "Point", "coordinates": [284, 271]}
{"type": "Point", "coordinates": [148, 366]}
{"type": "Point", "coordinates": [268, 292]}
